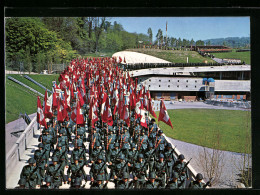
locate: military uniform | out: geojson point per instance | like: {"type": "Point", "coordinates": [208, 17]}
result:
{"type": "Point", "coordinates": [56, 172]}
{"type": "Point", "coordinates": [173, 182]}
{"type": "Point", "coordinates": [170, 158]}
{"type": "Point", "coordinates": [198, 184]}
{"type": "Point", "coordinates": [161, 142]}
{"type": "Point", "coordinates": [140, 172]}
{"type": "Point", "coordinates": [184, 175]}
{"type": "Point", "coordinates": [96, 152]}
{"type": "Point", "coordinates": [125, 183]}
{"type": "Point", "coordinates": [41, 162]}
{"type": "Point", "coordinates": [98, 184]}
{"type": "Point", "coordinates": [99, 169]}
{"type": "Point", "coordinates": [113, 154]}
{"type": "Point", "coordinates": [47, 141]}
{"type": "Point", "coordinates": [77, 171]}
{"type": "Point", "coordinates": [142, 142]}
{"type": "Point", "coordinates": [62, 156]}
{"type": "Point", "coordinates": [160, 169]}
{"type": "Point", "coordinates": [80, 153]}
{"type": "Point", "coordinates": [49, 184]}
{"type": "Point", "coordinates": [151, 184]}
{"type": "Point", "coordinates": [118, 169]}
{"type": "Point", "coordinates": [63, 139]}
{"type": "Point", "coordinates": [150, 155]}
{"type": "Point", "coordinates": [31, 174]}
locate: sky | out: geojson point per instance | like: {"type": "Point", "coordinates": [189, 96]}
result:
{"type": "Point", "coordinates": [198, 28]}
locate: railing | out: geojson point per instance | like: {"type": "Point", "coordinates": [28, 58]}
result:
{"type": "Point", "coordinates": [14, 155]}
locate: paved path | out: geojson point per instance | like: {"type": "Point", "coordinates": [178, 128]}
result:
{"type": "Point", "coordinates": [14, 126]}
{"type": "Point", "coordinates": [135, 57]}
{"type": "Point", "coordinates": [218, 60]}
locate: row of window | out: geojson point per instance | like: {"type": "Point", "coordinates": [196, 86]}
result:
{"type": "Point", "coordinates": [170, 86]}
{"type": "Point", "coordinates": [170, 80]}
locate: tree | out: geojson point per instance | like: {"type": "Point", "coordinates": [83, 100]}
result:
{"type": "Point", "coordinates": [159, 37]}
{"type": "Point", "coordinates": [98, 29]}
{"type": "Point", "coordinates": [27, 60]}
{"type": "Point", "coordinates": [150, 34]}
{"type": "Point", "coordinates": [40, 62]}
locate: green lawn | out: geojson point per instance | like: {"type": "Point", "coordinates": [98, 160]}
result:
{"type": "Point", "coordinates": [200, 127]}
{"type": "Point", "coordinates": [243, 56]}
{"type": "Point", "coordinates": [19, 99]}
{"type": "Point", "coordinates": [174, 56]}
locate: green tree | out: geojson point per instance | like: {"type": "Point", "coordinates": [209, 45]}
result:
{"type": "Point", "coordinates": [150, 34]}
{"type": "Point", "coordinates": [27, 60]}
{"type": "Point", "coordinates": [159, 37]}
{"type": "Point", "coordinates": [40, 62]}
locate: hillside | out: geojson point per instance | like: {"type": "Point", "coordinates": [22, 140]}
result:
{"type": "Point", "coordinates": [243, 56]}
{"type": "Point", "coordinates": [174, 56]}
{"type": "Point", "coordinates": [230, 41]}
{"type": "Point", "coordinates": [19, 99]}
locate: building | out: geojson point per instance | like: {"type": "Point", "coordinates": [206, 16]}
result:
{"type": "Point", "coordinates": [187, 83]}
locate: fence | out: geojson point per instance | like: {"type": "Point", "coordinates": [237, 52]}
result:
{"type": "Point", "coordinates": [14, 155]}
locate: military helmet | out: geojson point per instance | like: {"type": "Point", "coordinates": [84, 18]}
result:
{"type": "Point", "coordinates": [122, 157]}
{"type": "Point", "coordinates": [150, 145]}
{"type": "Point", "coordinates": [125, 175]}
{"type": "Point", "coordinates": [47, 131]}
{"type": "Point", "coordinates": [152, 175]}
{"type": "Point", "coordinates": [48, 179]}
{"type": "Point", "coordinates": [140, 156]}
{"type": "Point", "coordinates": [55, 159]}
{"type": "Point", "coordinates": [160, 131]}
{"type": "Point", "coordinates": [37, 153]}
{"type": "Point", "coordinates": [100, 157]}
{"type": "Point", "coordinates": [40, 145]}
{"type": "Point", "coordinates": [79, 144]}
{"type": "Point", "coordinates": [60, 131]}
{"type": "Point", "coordinates": [169, 145]}
{"type": "Point", "coordinates": [22, 181]}
{"type": "Point", "coordinates": [31, 161]}
{"type": "Point", "coordinates": [116, 144]}
{"type": "Point", "coordinates": [48, 123]}
{"type": "Point", "coordinates": [199, 176]}
{"type": "Point", "coordinates": [175, 175]}
{"type": "Point", "coordinates": [153, 120]}
{"type": "Point", "coordinates": [137, 166]}
{"type": "Point", "coordinates": [97, 144]}
{"type": "Point", "coordinates": [99, 178]}
{"type": "Point", "coordinates": [181, 157]}
{"type": "Point", "coordinates": [76, 158]}
{"type": "Point", "coordinates": [161, 156]}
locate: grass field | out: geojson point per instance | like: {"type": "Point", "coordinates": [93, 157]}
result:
{"type": "Point", "coordinates": [174, 56]}
{"type": "Point", "coordinates": [243, 56]}
{"type": "Point", "coordinates": [19, 99]}
{"type": "Point", "coordinates": [200, 127]}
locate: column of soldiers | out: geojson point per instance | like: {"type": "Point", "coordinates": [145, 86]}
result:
{"type": "Point", "coordinates": [132, 157]}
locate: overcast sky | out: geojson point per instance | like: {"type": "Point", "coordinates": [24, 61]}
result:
{"type": "Point", "coordinates": [188, 27]}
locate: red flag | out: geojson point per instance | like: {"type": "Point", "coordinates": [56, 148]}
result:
{"type": "Point", "coordinates": [54, 100]}
{"type": "Point", "coordinates": [142, 116]}
{"type": "Point", "coordinates": [80, 117]}
{"type": "Point", "coordinates": [47, 106]}
{"type": "Point", "coordinates": [60, 116]}
{"type": "Point", "coordinates": [126, 115]}
{"type": "Point", "coordinates": [40, 114]}
{"type": "Point", "coordinates": [74, 114]}
{"type": "Point", "coordinates": [163, 116]}
{"type": "Point", "coordinates": [151, 109]}
{"type": "Point", "coordinates": [81, 101]}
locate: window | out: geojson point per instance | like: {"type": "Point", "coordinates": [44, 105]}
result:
{"type": "Point", "coordinates": [168, 85]}
{"type": "Point", "coordinates": [186, 85]}
{"type": "Point", "coordinates": [149, 85]}
{"type": "Point", "coordinates": [187, 81]}
{"type": "Point", "coordinates": [159, 80]}
{"type": "Point", "coordinates": [177, 85]}
{"type": "Point", "coordinates": [195, 86]}
{"type": "Point", "coordinates": [195, 81]}
{"type": "Point", "coordinates": [178, 80]}
{"type": "Point", "coordinates": [159, 85]}
{"type": "Point", "coordinates": [169, 80]}
{"type": "Point", "coordinates": [150, 80]}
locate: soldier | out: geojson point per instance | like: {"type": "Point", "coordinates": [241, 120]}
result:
{"type": "Point", "coordinates": [183, 172]}
{"type": "Point", "coordinates": [125, 140]}
{"type": "Point", "coordinates": [137, 131]}
{"type": "Point", "coordinates": [198, 184]}
{"type": "Point", "coordinates": [111, 139]}
{"type": "Point", "coordinates": [49, 184]}
{"type": "Point", "coordinates": [124, 183]}
{"type": "Point", "coordinates": [99, 167]}
{"type": "Point", "coordinates": [47, 141]}
{"type": "Point", "coordinates": [119, 168]}
{"type": "Point", "coordinates": [150, 155]}
{"type": "Point", "coordinates": [56, 172]}
{"type": "Point", "coordinates": [153, 128]}
{"type": "Point", "coordinates": [41, 161]}
{"type": "Point", "coordinates": [113, 154]}
{"type": "Point", "coordinates": [173, 182]}
{"type": "Point", "coordinates": [98, 150]}
{"type": "Point", "coordinates": [61, 155]}
{"type": "Point", "coordinates": [31, 174]}
{"type": "Point", "coordinates": [160, 142]}
{"type": "Point", "coordinates": [160, 169]}
{"type": "Point", "coordinates": [140, 172]}
{"type": "Point", "coordinates": [77, 171]}
{"type": "Point", "coordinates": [52, 133]}
{"type": "Point", "coordinates": [142, 142]}
{"type": "Point", "coordinates": [170, 158]}
{"type": "Point", "coordinates": [80, 152]}
{"type": "Point", "coordinates": [132, 156]}
{"type": "Point", "coordinates": [151, 183]}
{"type": "Point", "coordinates": [77, 184]}
{"type": "Point", "coordinates": [98, 183]}
{"type": "Point", "coordinates": [63, 140]}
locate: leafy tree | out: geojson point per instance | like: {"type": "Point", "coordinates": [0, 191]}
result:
{"type": "Point", "coordinates": [159, 37]}
{"type": "Point", "coordinates": [40, 62]}
{"type": "Point", "coordinates": [150, 34]}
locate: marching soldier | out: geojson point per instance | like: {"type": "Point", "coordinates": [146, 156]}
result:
{"type": "Point", "coordinates": [198, 184]}
{"type": "Point", "coordinates": [47, 141]}
{"type": "Point", "coordinates": [113, 154]}
{"type": "Point", "coordinates": [150, 155]}
{"type": "Point", "coordinates": [183, 172]}
{"type": "Point", "coordinates": [142, 142]}
{"type": "Point", "coordinates": [125, 183]}
{"type": "Point", "coordinates": [41, 161]}
{"type": "Point", "coordinates": [56, 172]}
{"type": "Point", "coordinates": [63, 140]}
{"type": "Point", "coordinates": [98, 150]}
{"type": "Point", "coordinates": [170, 158]}
{"type": "Point", "coordinates": [61, 155]}
{"type": "Point", "coordinates": [161, 142]}
{"type": "Point", "coordinates": [137, 131]}
{"type": "Point", "coordinates": [151, 183]}
{"type": "Point", "coordinates": [111, 139]}
{"type": "Point", "coordinates": [160, 169]}
{"type": "Point", "coordinates": [31, 174]}
{"type": "Point", "coordinates": [153, 128]}
{"type": "Point", "coordinates": [80, 152]}
{"type": "Point", "coordinates": [140, 172]}
{"type": "Point", "coordinates": [132, 156]}
{"type": "Point", "coordinates": [119, 168]}
{"type": "Point", "coordinates": [77, 171]}
{"type": "Point", "coordinates": [22, 183]}
{"type": "Point", "coordinates": [99, 167]}
{"type": "Point", "coordinates": [173, 182]}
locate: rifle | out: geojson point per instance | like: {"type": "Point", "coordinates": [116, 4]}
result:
{"type": "Point", "coordinates": [208, 183]}
{"type": "Point", "coordinates": [29, 177]}
{"type": "Point", "coordinates": [149, 132]}
{"type": "Point", "coordinates": [172, 152]}
{"type": "Point", "coordinates": [186, 164]}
